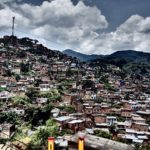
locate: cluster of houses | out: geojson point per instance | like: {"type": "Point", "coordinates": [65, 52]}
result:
{"type": "Point", "coordinates": [131, 120]}
{"type": "Point", "coordinates": [125, 106]}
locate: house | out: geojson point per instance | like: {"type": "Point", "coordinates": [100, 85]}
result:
{"type": "Point", "coordinates": [88, 110]}
{"type": "Point", "coordinates": [45, 80]}
{"type": "Point", "coordinates": [111, 120]}
{"type": "Point", "coordinates": [5, 96]}
{"type": "Point", "coordinates": [3, 84]}
{"type": "Point", "coordinates": [126, 112]}
{"type": "Point", "coordinates": [96, 109]}
{"type": "Point", "coordinates": [76, 125]}
{"type": "Point", "coordinates": [44, 87]}
{"type": "Point", "coordinates": [67, 98]}
{"type": "Point", "coordinates": [41, 101]}
{"type": "Point", "coordinates": [116, 111]}
{"type": "Point", "coordinates": [18, 111]}
{"type": "Point", "coordinates": [58, 67]}
{"type": "Point", "coordinates": [3, 69]}
{"type": "Point", "coordinates": [21, 87]}
{"type": "Point", "coordinates": [137, 119]}
{"type": "Point", "coordinates": [105, 109]}
{"type": "Point", "coordinates": [63, 120]}
{"type": "Point", "coordinates": [144, 114]}
{"type": "Point", "coordinates": [134, 136]}
{"type": "Point", "coordinates": [16, 69]}
{"type": "Point", "coordinates": [99, 118]}
{"type": "Point", "coordinates": [55, 112]}
{"type": "Point", "coordinates": [12, 87]}
{"type": "Point", "coordinates": [78, 106]}
{"type": "Point", "coordinates": [140, 126]}
{"type": "Point", "coordinates": [6, 130]}
{"type": "Point", "coordinates": [121, 126]}
{"type": "Point", "coordinates": [93, 96]}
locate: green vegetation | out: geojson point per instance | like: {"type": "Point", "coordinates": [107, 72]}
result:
{"type": "Point", "coordinates": [118, 106]}
{"type": "Point", "coordinates": [103, 134]}
{"type": "Point", "coordinates": [2, 89]}
{"type": "Point", "coordinates": [69, 108]}
{"type": "Point", "coordinates": [53, 95]}
{"type": "Point", "coordinates": [142, 147]}
{"type": "Point", "coordinates": [42, 134]}
{"type": "Point", "coordinates": [18, 99]}
{"type": "Point", "coordinates": [109, 87]}
{"type": "Point", "coordinates": [25, 67]}
{"type": "Point", "coordinates": [99, 100]}
{"type": "Point", "coordinates": [32, 93]}
{"type": "Point", "coordinates": [9, 117]}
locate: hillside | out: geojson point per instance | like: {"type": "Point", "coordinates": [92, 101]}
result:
{"type": "Point", "coordinates": [31, 45]}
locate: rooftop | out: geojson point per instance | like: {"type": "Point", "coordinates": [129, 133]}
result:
{"type": "Point", "coordinates": [98, 142]}
{"type": "Point", "coordinates": [63, 118]}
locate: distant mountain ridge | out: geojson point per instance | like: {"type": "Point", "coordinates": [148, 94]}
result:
{"type": "Point", "coordinates": [81, 56]}
{"type": "Point", "coordinates": [127, 55]}
{"type": "Point", "coordinates": [130, 55]}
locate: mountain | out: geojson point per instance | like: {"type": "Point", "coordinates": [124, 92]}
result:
{"type": "Point", "coordinates": [130, 55]}
{"type": "Point", "coordinates": [81, 56]}
{"type": "Point", "coordinates": [129, 60]}
{"type": "Point", "coordinates": [126, 55]}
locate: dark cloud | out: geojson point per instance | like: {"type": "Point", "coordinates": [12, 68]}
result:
{"type": "Point", "coordinates": [75, 2]}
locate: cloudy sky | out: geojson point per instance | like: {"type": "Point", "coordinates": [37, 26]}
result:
{"type": "Point", "coordinates": [88, 26]}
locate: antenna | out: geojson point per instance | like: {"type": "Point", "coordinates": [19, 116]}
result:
{"type": "Point", "coordinates": [13, 25]}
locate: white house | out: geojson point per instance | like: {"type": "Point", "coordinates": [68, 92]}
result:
{"type": "Point", "coordinates": [110, 120]}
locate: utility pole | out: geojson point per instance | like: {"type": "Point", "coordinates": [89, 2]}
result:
{"type": "Point", "coordinates": [13, 25]}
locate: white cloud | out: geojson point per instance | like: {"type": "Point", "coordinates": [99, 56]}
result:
{"type": "Point", "coordinates": [58, 20]}
{"type": "Point", "coordinates": [133, 34]}
{"type": "Point", "coordinates": [76, 26]}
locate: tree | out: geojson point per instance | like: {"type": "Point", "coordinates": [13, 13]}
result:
{"type": "Point", "coordinates": [102, 134]}
{"type": "Point", "coordinates": [18, 99]}
{"type": "Point", "coordinates": [32, 93]}
{"type": "Point", "coordinates": [49, 107]}
{"type": "Point", "coordinates": [42, 135]}
{"type": "Point", "coordinates": [69, 109]}
{"type": "Point", "coordinates": [11, 117]}
{"type": "Point", "coordinates": [17, 77]}
{"type": "Point", "coordinates": [25, 67]}
{"type": "Point", "coordinates": [88, 84]}
{"type": "Point", "coordinates": [69, 73]}
{"type": "Point", "coordinates": [142, 147]}
{"type": "Point", "coordinates": [50, 122]}
{"type": "Point", "coordinates": [112, 129]}
{"type": "Point", "coordinates": [8, 73]}
{"type": "Point", "coordinates": [29, 114]}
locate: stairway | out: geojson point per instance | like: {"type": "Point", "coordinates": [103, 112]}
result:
{"type": "Point", "coordinates": [7, 146]}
